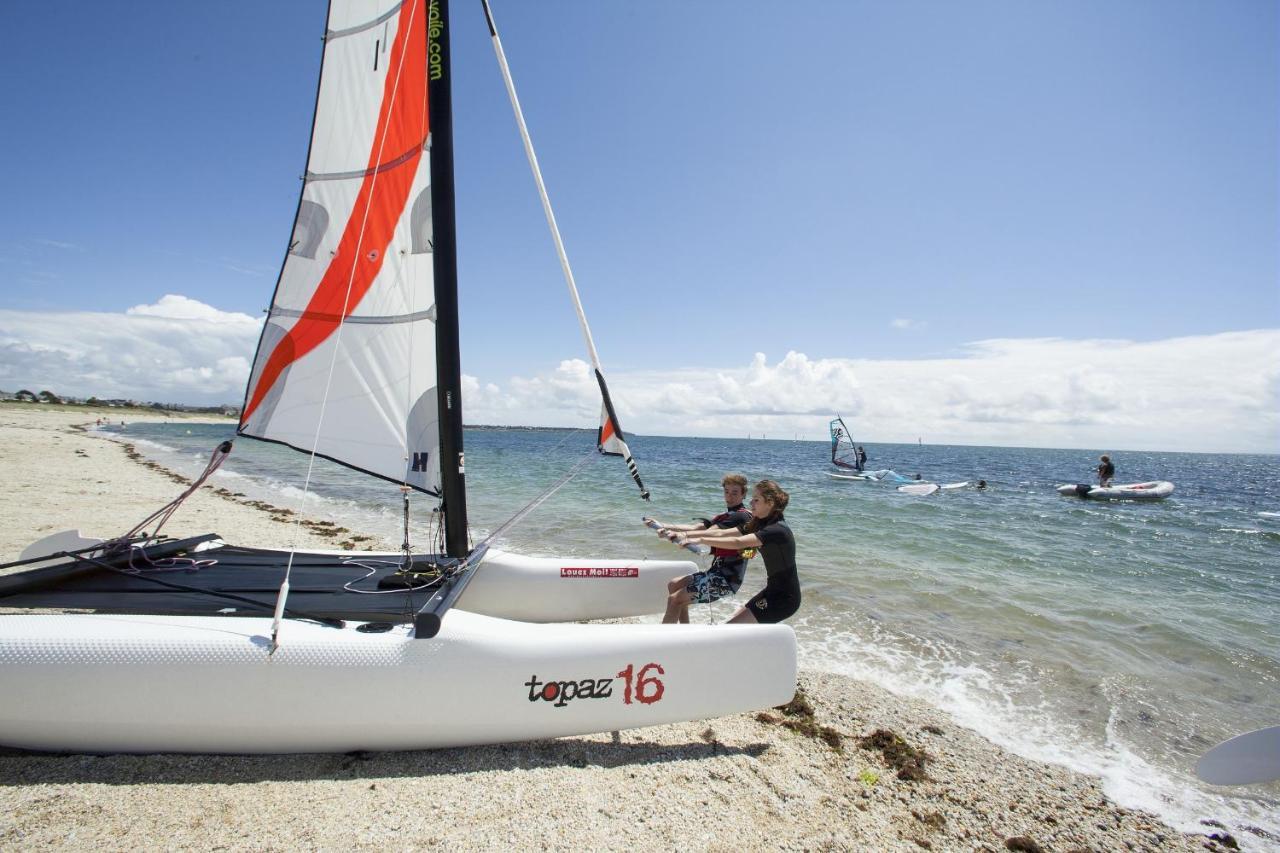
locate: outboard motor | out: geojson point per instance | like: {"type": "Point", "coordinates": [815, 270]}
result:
{"type": "Point", "coordinates": [1083, 489]}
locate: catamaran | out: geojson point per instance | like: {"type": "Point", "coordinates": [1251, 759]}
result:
{"type": "Point", "coordinates": [198, 645]}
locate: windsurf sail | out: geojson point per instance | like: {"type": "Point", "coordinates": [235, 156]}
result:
{"type": "Point", "coordinates": [609, 437]}
{"type": "Point", "coordinates": [844, 454]}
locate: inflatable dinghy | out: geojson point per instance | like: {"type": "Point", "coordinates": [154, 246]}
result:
{"type": "Point", "coordinates": [1153, 491]}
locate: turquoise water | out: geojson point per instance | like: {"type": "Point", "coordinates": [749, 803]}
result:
{"type": "Point", "coordinates": [1119, 639]}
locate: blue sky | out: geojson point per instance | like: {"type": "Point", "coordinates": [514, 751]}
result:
{"type": "Point", "coordinates": [870, 182]}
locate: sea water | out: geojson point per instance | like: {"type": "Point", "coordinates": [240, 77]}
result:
{"type": "Point", "coordinates": [1119, 639]}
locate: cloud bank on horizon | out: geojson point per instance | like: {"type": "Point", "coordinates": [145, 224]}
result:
{"type": "Point", "coordinates": [1218, 392]}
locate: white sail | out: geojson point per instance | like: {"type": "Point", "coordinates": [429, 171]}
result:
{"type": "Point", "coordinates": [346, 366]}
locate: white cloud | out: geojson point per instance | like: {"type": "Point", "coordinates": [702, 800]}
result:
{"type": "Point", "coordinates": [177, 350]}
{"type": "Point", "coordinates": [59, 244]}
{"type": "Point", "coordinates": [174, 307]}
{"type": "Point", "coordinates": [1210, 392]}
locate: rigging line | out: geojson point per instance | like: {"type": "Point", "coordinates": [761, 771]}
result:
{"type": "Point", "coordinates": [162, 515]}
{"type": "Point", "coordinates": [283, 595]}
{"type": "Point", "coordinates": [402, 285]}
{"type": "Point", "coordinates": [572, 431]}
{"type": "Point", "coordinates": [538, 501]}
{"type": "Point", "coordinates": [149, 578]}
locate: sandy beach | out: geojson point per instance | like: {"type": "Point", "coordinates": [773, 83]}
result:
{"type": "Point", "coordinates": [846, 766]}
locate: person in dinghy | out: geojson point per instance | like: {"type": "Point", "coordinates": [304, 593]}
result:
{"type": "Point", "coordinates": [728, 565]}
{"type": "Point", "coordinates": [767, 531]}
{"type": "Point", "coordinates": [1106, 470]}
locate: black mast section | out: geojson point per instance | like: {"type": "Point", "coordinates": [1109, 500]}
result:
{"type": "Point", "coordinates": [445, 266]}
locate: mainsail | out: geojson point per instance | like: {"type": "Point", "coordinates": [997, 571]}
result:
{"type": "Point", "coordinates": [843, 452]}
{"type": "Point", "coordinates": [346, 367]}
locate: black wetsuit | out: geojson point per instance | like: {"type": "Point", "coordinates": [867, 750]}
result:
{"type": "Point", "coordinates": [780, 597]}
{"type": "Point", "coordinates": [1105, 472]}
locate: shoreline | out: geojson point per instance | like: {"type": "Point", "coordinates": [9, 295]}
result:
{"type": "Point", "coordinates": [782, 778]}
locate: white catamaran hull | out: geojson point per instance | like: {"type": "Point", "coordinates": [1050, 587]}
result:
{"type": "Point", "coordinates": [97, 683]}
{"type": "Point", "coordinates": [506, 585]}
{"type": "Point", "coordinates": [568, 589]}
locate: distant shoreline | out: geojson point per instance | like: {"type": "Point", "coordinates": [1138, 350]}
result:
{"type": "Point", "coordinates": [150, 413]}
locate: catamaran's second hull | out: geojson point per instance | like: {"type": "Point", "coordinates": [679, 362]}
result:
{"type": "Point", "coordinates": [569, 589]}
{"type": "Point", "coordinates": [209, 684]}
{"type": "Point", "coordinates": [332, 584]}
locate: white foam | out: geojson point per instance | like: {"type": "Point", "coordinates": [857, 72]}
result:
{"type": "Point", "coordinates": [146, 443]}
{"type": "Point", "coordinates": [1005, 713]}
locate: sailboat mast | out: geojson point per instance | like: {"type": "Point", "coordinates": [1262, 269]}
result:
{"type": "Point", "coordinates": [445, 266]}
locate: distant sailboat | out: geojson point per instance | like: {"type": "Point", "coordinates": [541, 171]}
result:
{"type": "Point", "coordinates": [259, 650]}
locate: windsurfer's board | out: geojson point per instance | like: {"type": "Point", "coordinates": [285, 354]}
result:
{"type": "Point", "coordinates": [106, 684]}
{"type": "Point", "coordinates": [921, 489]}
{"type": "Point", "coordinates": [1247, 759]}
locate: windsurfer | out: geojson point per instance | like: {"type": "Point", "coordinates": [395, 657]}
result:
{"type": "Point", "coordinates": [862, 458]}
{"type": "Point", "coordinates": [768, 531]}
{"type": "Point", "coordinates": [728, 565]}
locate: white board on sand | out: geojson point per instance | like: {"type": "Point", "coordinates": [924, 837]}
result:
{"type": "Point", "coordinates": [1247, 759]}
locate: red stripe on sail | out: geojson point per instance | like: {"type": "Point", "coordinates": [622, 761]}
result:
{"type": "Point", "coordinates": [402, 125]}
{"type": "Point", "coordinates": [606, 432]}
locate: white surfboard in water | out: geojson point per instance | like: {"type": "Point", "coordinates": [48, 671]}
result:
{"type": "Point", "coordinates": [1247, 759]}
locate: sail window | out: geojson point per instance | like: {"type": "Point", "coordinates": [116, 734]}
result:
{"type": "Point", "coordinates": [313, 221]}
{"type": "Point", "coordinates": [420, 224]}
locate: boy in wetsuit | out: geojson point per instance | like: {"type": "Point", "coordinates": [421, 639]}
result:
{"type": "Point", "coordinates": [728, 566]}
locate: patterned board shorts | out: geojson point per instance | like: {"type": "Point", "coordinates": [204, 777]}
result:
{"type": "Point", "coordinates": [706, 587]}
